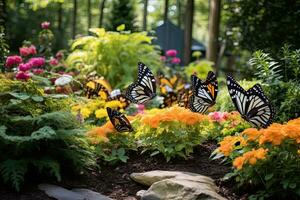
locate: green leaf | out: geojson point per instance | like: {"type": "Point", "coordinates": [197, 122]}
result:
{"type": "Point", "coordinates": [37, 98]}
{"type": "Point", "coordinates": [154, 153]}
{"type": "Point", "coordinates": [121, 27]}
{"type": "Point", "coordinates": [292, 185]}
{"type": "Point", "coordinates": [21, 96]}
{"type": "Point", "coordinates": [269, 176]}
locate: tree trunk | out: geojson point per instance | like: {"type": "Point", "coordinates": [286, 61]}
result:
{"type": "Point", "coordinates": [89, 14]}
{"type": "Point", "coordinates": [102, 6]}
{"type": "Point", "coordinates": [179, 17]}
{"type": "Point", "coordinates": [166, 10]}
{"type": "Point", "coordinates": [74, 18]}
{"type": "Point", "coordinates": [145, 14]}
{"type": "Point", "coordinates": [2, 13]}
{"type": "Point", "coordinates": [189, 14]}
{"type": "Point", "coordinates": [213, 30]}
{"type": "Point", "coordinates": [59, 18]}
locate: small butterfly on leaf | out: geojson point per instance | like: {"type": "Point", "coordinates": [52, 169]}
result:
{"type": "Point", "coordinates": [119, 121]}
{"type": "Point", "coordinates": [252, 104]}
{"type": "Point", "coordinates": [144, 89]}
{"type": "Point", "coordinates": [204, 93]}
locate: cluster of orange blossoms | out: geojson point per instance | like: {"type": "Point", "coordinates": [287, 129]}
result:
{"type": "Point", "coordinates": [274, 134]}
{"type": "Point", "coordinates": [174, 113]}
{"type": "Point", "coordinates": [250, 157]}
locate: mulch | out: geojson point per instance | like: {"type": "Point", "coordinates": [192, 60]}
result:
{"type": "Point", "coordinates": [114, 181]}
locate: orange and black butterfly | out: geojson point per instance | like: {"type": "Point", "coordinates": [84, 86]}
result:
{"type": "Point", "coordinates": [119, 121]}
{"type": "Point", "coordinates": [204, 93]}
{"type": "Point", "coordinates": [169, 88]}
{"type": "Point", "coordinates": [98, 88]}
{"type": "Point", "coordinates": [183, 97]}
{"type": "Point", "coordinates": [116, 95]}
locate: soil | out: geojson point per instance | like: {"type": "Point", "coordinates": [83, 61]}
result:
{"type": "Point", "coordinates": [114, 181]}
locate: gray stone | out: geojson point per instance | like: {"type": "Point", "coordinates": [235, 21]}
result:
{"type": "Point", "coordinates": [90, 195]}
{"type": "Point", "coordinates": [140, 193]}
{"type": "Point", "coordinates": [176, 189]}
{"type": "Point", "coordinates": [60, 193]}
{"type": "Point", "coordinates": [148, 178]}
{"type": "Point", "coordinates": [176, 185]}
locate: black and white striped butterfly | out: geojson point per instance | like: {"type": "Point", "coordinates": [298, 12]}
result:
{"type": "Point", "coordinates": [144, 89]}
{"type": "Point", "coordinates": [204, 93]}
{"type": "Point", "coordinates": [119, 121]}
{"type": "Point", "coordinates": [252, 104]}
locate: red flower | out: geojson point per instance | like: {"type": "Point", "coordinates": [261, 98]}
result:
{"type": "Point", "coordinates": [38, 71]}
{"type": "Point", "coordinates": [59, 55]}
{"type": "Point", "coordinates": [171, 53]}
{"type": "Point", "coordinates": [45, 25]}
{"type": "Point", "coordinates": [22, 75]}
{"type": "Point", "coordinates": [175, 60]}
{"type": "Point", "coordinates": [25, 67]}
{"type": "Point", "coordinates": [37, 62]}
{"type": "Point", "coordinates": [53, 62]}
{"type": "Point", "coordinates": [13, 60]}
{"type": "Point", "coordinates": [26, 51]}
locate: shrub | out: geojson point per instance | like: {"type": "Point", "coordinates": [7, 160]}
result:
{"type": "Point", "coordinates": [39, 135]}
{"type": "Point", "coordinates": [266, 159]}
{"type": "Point", "coordinates": [201, 67]}
{"type": "Point", "coordinates": [114, 55]}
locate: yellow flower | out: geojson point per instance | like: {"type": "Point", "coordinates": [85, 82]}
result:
{"type": "Point", "coordinates": [85, 112]}
{"type": "Point", "coordinates": [113, 104]}
{"type": "Point", "coordinates": [100, 113]}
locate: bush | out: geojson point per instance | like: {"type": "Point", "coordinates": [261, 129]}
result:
{"type": "Point", "coordinates": [201, 67]}
{"type": "Point", "coordinates": [266, 159]}
{"type": "Point", "coordinates": [114, 55]}
{"type": "Point", "coordinates": [279, 79]}
{"type": "Point", "coordinates": [39, 135]}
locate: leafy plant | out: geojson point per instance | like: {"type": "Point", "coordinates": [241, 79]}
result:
{"type": "Point", "coordinates": [201, 67]}
{"type": "Point", "coordinates": [113, 55]}
{"type": "Point", "coordinates": [3, 48]}
{"type": "Point", "coordinates": [266, 160]}
{"type": "Point", "coordinates": [39, 135]}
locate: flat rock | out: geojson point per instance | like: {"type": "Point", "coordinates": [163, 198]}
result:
{"type": "Point", "coordinates": [90, 195]}
{"type": "Point", "coordinates": [148, 178]}
{"type": "Point", "coordinates": [176, 189]}
{"type": "Point", "coordinates": [61, 193]}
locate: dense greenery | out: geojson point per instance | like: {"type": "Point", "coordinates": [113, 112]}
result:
{"type": "Point", "coordinates": [113, 55]}
{"type": "Point", "coordinates": [122, 12]}
{"type": "Point", "coordinates": [264, 24]}
{"type": "Point", "coordinates": [39, 136]}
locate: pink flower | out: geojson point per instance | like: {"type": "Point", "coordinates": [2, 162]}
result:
{"type": "Point", "coordinates": [25, 67]}
{"type": "Point", "coordinates": [26, 51]}
{"type": "Point", "coordinates": [37, 62]}
{"type": "Point", "coordinates": [171, 53]}
{"type": "Point", "coordinates": [22, 75]}
{"type": "Point", "coordinates": [53, 62]}
{"type": "Point", "coordinates": [163, 58]}
{"type": "Point", "coordinates": [59, 55]}
{"type": "Point", "coordinates": [38, 71]}
{"type": "Point", "coordinates": [218, 116]}
{"type": "Point", "coordinates": [13, 60]}
{"type": "Point", "coordinates": [45, 25]}
{"type": "Point", "coordinates": [175, 60]}
{"type": "Point", "coordinates": [141, 108]}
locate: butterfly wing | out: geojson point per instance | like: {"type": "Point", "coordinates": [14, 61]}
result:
{"type": "Point", "coordinates": [253, 105]}
{"type": "Point", "coordinates": [238, 95]}
{"type": "Point", "coordinates": [119, 121]}
{"type": "Point", "coordinates": [196, 104]}
{"type": "Point", "coordinates": [144, 88]}
{"type": "Point", "coordinates": [206, 90]}
{"type": "Point", "coordinates": [259, 110]}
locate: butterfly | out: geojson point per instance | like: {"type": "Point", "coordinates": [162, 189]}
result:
{"type": "Point", "coordinates": [204, 93]}
{"type": "Point", "coordinates": [116, 95]}
{"type": "Point", "coordinates": [119, 121]}
{"type": "Point", "coordinates": [144, 89]}
{"type": "Point", "coordinates": [99, 87]}
{"type": "Point", "coordinates": [252, 104]}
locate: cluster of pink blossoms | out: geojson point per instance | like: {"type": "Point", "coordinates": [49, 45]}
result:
{"type": "Point", "coordinates": [218, 116]}
{"type": "Point", "coordinates": [171, 56]}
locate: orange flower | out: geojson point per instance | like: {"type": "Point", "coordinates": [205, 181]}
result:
{"type": "Point", "coordinates": [250, 157]}
{"type": "Point", "coordinates": [251, 133]}
{"type": "Point", "coordinates": [274, 134]}
{"type": "Point", "coordinates": [229, 143]}
{"type": "Point", "coordinates": [239, 162]}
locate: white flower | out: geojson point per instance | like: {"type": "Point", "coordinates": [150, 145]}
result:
{"type": "Point", "coordinates": [63, 80]}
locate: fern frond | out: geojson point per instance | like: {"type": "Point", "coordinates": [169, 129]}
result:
{"type": "Point", "coordinates": [48, 165]}
{"type": "Point", "coordinates": [13, 171]}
